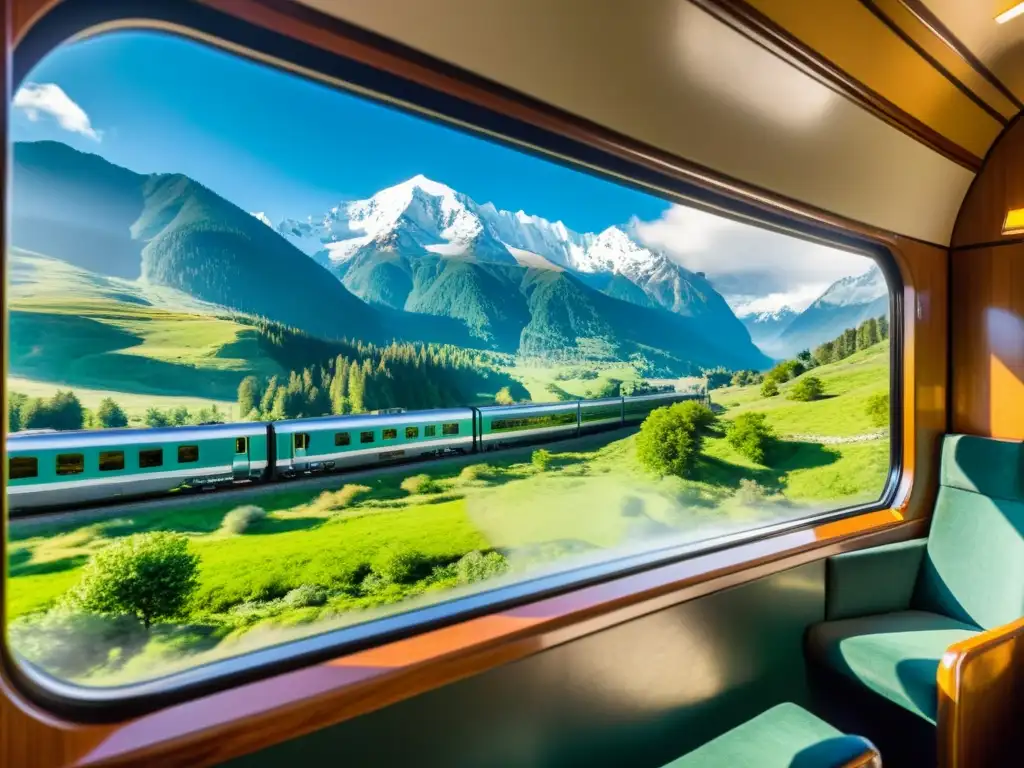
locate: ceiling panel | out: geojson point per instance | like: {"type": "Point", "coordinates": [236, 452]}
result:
{"type": "Point", "coordinates": [670, 75]}
{"type": "Point", "coordinates": [1000, 47]}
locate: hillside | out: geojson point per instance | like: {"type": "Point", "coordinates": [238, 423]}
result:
{"type": "Point", "coordinates": [171, 231]}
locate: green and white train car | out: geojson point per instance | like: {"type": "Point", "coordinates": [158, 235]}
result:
{"type": "Point", "coordinates": [54, 469]}
{"type": "Point", "coordinates": [334, 442]}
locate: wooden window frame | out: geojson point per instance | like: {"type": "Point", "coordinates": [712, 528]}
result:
{"type": "Point", "coordinates": [221, 725]}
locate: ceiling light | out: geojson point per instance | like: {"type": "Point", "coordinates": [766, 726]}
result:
{"type": "Point", "coordinates": [1014, 223]}
{"type": "Point", "coordinates": [1013, 13]}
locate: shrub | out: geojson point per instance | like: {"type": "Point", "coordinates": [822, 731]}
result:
{"type": "Point", "coordinates": [149, 576]}
{"type": "Point", "coordinates": [475, 472]}
{"type": "Point", "coordinates": [476, 566]}
{"type": "Point", "coordinates": [878, 409]}
{"type": "Point", "coordinates": [541, 459]}
{"type": "Point", "coordinates": [305, 596]}
{"type": "Point", "coordinates": [110, 414]}
{"type": "Point", "coordinates": [770, 388]}
{"type": "Point", "coordinates": [669, 440]}
{"type": "Point", "coordinates": [397, 566]}
{"type": "Point", "coordinates": [750, 491]}
{"type": "Point", "coordinates": [71, 644]}
{"type": "Point", "coordinates": [807, 389]}
{"type": "Point", "coordinates": [751, 436]}
{"type": "Point", "coordinates": [421, 484]}
{"type": "Point", "coordinates": [700, 414]}
{"type": "Point", "coordinates": [504, 397]}
{"type": "Point", "coordinates": [239, 519]}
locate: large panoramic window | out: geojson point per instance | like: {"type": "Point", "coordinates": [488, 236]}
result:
{"type": "Point", "coordinates": [199, 240]}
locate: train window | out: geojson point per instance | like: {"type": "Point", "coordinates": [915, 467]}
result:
{"type": "Point", "coordinates": [188, 454]}
{"type": "Point", "coordinates": [724, 377]}
{"type": "Point", "coordinates": [70, 463]}
{"type": "Point", "coordinates": [151, 457]}
{"type": "Point", "coordinates": [111, 460]}
{"type": "Point", "coordinates": [23, 467]}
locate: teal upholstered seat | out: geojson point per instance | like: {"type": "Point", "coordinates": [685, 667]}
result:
{"type": "Point", "coordinates": [895, 609]}
{"type": "Point", "coordinates": [894, 654]}
{"type": "Point", "coordinates": [786, 736]}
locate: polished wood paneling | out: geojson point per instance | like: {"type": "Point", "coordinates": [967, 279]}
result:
{"type": "Point", "coordinates": [997, 189]}
{"type": "Point", "coordinates": [988, 341]}
{"type": "Point", "coordinates": [237, 721]}
{"type": "Point", "coordinates": [981, 698]}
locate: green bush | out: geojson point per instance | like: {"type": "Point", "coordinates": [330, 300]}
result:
{"type": "Point", "coordinates": [71, 644]}
{"type": "Point", "coordinates": [475, 472]}
{"type": "Point", "coordinates": [110, 414]}
{"type": "Point", "coordinates": [149, 576]}
{"type": "Point", "coordinates": [239, 519]}
{"type": "Point", "coordinates": [750, 435]}
{"type": "Point", "coordinates": [670, 439]}
{"type": "Point", "coordinates": [397, 566]}
{"type": "Point", "coordinates": [420, 484]}
{"type": "Point", "coordinates": [541, 459]}
{"type": "Point", "coordinates": [878, 409]}
{"type": "Point", "coordinates": [305, 596]}
{"type": "Point", "coordinates": [770, 388]}
{"type": "Point", "coordinates": [807, 389]}
{"type": "Point", "coordinates": [476, 566]}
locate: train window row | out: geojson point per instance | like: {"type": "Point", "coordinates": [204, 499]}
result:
{"type": "Point", "coordinates": [534, 422]}
{"type": "Point", "coordinates": [342, 439]}
{"type": "Point", "coordinates": [27, 467]}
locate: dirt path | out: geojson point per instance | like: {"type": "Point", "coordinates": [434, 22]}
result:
{"type": "Point", "coordinates": [833, 440]}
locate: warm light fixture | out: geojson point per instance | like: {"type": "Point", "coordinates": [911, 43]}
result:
{"type": "Point", "coordinates": [1013, 13]}
{"type": "Point", "coordinates": [1014, 223]}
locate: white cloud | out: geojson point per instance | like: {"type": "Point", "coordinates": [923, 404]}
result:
{"type": "Point", "coordinates": [36, 99]}
{"type": "Point", "coordinates": [262, 217]}
{"type": "Point", "coordinates": [755, 269]}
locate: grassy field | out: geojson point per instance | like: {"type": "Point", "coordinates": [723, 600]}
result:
{"type": "Point", "coordinates": [77, 330]}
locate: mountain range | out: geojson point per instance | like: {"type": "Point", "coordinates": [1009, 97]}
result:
{"type": "Point", "coordinates": [417, 261]}
{"type": "Point", "coordinates": [766, 327]}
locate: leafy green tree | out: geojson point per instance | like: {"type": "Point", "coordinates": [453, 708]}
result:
{"type": "Point", "coordinates": [62, 411]}
{"type": "Point", "coordinates": [878, 409]}
{"type": "Point", "coordinates": [156, 418]}
{"type": "Point", "coordinates": [770, 388]}
{"type": "Point", "coordinates": [541, 459]}
{"type": "Point", "coordinates": [883, 327]}
{"type": "Point", "coordinates": [504, 397]}
{"type": "Point", "coordinates": [249, 395]}
{"type": "Point", "coordinates": [718, 377]}
{"type": "Point", "coordinates": [750, 434]}
{"type": "Point", "coordinates": [356, 389]}
{"type": "Point", "coordinates": [807, 389]}
{"type": "Point", "coordinates": [825, 353]}
{"type": "Point", "coordinates": [669, 441]}
{"type": "Point", "coordinates": [806, 359]}
{"type": "Point", "coordinates": [15, 401]}
{"type": "Point", "coordinates": [180, 416]}
{"type": "Point", "coordinates": [110, 414]}
{"type": "Point", "coordinates": [147, 575]}
{"type": "Point", "coordinates": [269, 394]}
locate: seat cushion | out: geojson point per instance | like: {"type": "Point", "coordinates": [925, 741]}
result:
{"type": "Point", "coordinates": [973, 569]}
{"type": "Point", "coordinates": [786, 736]}
{"type": "Point", "coordinates": [893, 654]}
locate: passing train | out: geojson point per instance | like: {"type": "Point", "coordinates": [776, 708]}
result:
{"type": "Point", "coordinates": [50, 470]}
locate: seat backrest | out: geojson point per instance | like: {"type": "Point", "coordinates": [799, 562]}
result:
{"type": "Point", "coordinates": [973, 570]}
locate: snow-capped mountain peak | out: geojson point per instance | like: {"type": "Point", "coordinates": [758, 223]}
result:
{"type": "Point", "coordinates": [859, 289]}
{"type": "Point", "coordinates": [776, 316]}
{"type": "Point", "coordinates": [262, 217]}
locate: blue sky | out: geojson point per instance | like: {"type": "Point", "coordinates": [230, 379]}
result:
{"type": "Point", "coordinates": [270, 141]}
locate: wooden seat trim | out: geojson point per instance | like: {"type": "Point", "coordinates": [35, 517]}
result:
{"type": "Point", "coordinates": [981, 696]}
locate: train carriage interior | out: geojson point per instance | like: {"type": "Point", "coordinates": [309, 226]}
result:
{"type": "Point", "coordinates": [536, 383]}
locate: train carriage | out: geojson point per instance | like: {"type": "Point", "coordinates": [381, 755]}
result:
{"type": "Point", "coordinates": [636, 409]}
{"type": "Point", "coordinates": [501, 425]}
{"type": "Point", "coordinates": [314, 445]}
{"type": "Point", "coordinates": [54, 469]}
{"type": "Point", "coordinates": [603, 413]}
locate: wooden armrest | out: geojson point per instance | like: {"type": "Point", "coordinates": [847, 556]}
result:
{"type": "Point", "coordinates": [981, 697]}
{"type": "Point", "coordinates": [870, 759]}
